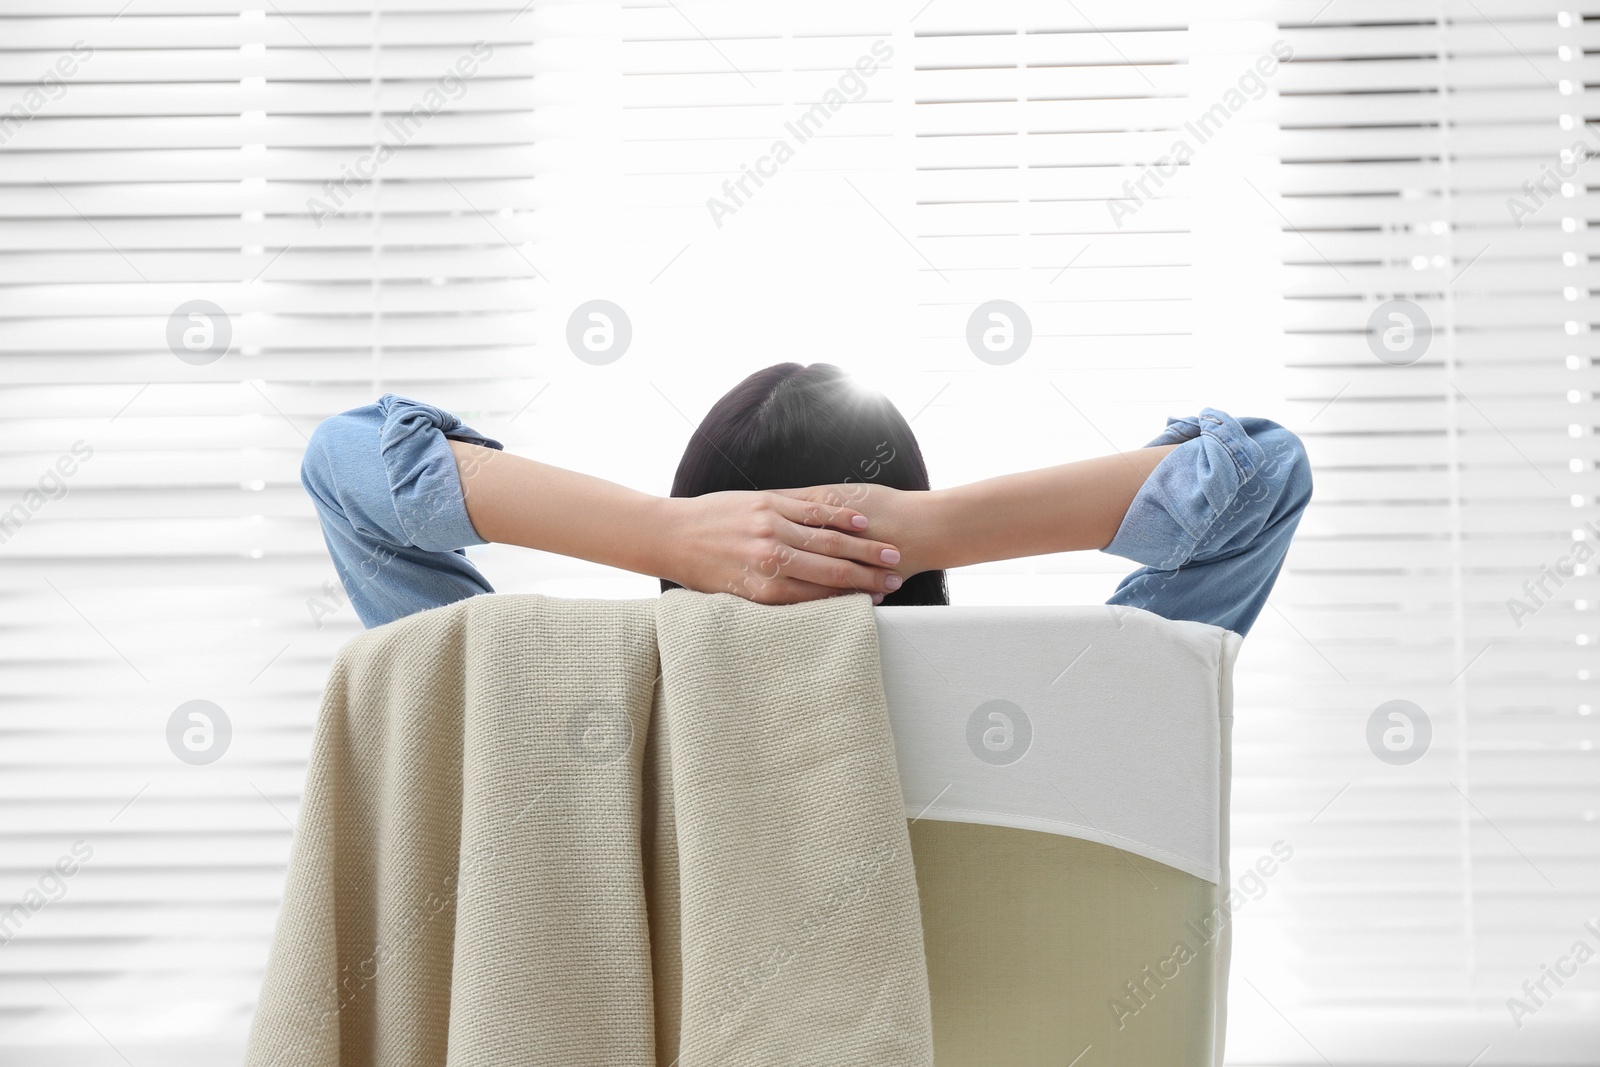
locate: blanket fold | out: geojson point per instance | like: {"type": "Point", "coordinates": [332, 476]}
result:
{"type": "Point", "coordinates": [572, 832]}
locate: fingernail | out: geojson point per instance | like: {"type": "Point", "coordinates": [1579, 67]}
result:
{"type": "Point", "coordinates": [877, 598]}
{"type": "Point", "coordinates": [858, 521]}
{"type": "Point", "coordinates": [892, 582]}
{"type": "Point", "coordinates": [889, 556]}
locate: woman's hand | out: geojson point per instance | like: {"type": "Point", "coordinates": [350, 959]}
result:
{"type": "Point", "coordinates": [772, 547]}
{"type": "Point", "coordinates": [905, 518]}
{"type": "Point", "coordinates": [762, 546]}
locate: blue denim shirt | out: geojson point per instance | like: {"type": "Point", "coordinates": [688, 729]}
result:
{"type": "Point", "coordinates": [1212, 523]}
{"type": "Point", "coordinates": [1210, 526]}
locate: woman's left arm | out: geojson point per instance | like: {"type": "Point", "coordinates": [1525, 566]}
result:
{"type": "Point", "coordinates": [763, 546]}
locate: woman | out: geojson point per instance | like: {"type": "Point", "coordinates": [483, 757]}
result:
{"type": "Point", "coordinates": [800, 485]}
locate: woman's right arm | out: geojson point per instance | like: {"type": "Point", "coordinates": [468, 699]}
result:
{"type": "Point", "coordinates": [1208, 508]}
{"type": "Point", "coordinates": [1067, 508]}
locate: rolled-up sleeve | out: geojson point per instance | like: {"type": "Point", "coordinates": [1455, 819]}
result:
{"type": "Point", "coordinates": [424, 486]}
{"type": "Point", "coordinates": [1213, 522]}
{"type": "Point", "coordinates": [388, 494]}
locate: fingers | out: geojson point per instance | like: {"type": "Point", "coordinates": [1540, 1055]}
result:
{"type": "Point", "coordinates": [834, 560]}
{"type": "Point", "coordinates": [818, 513]}
{"type": "Point", "coordinates": [786, 570]}
{"type": "Point", "coordinates": [838, 574]}
{"type": "Point", "coordinates": [826, 542]}
{"type": "Point", "coordinates": [814, 531]}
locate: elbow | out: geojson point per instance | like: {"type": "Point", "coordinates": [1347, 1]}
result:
{"type": "Point", "coordinates": [337, 442]}
{"type": "Point", "coordinates": [318, 464]}
{"type": "Point", "coordinates": [1286, 463]}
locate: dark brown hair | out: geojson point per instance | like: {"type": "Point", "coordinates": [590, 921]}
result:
{"type": "Point", "coordinates": [790, 426]}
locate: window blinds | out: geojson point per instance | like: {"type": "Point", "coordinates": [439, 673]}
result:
{"type": "Point", "coordinates": [1452, 470]}
{"type": "Point", "coordinates": [1041, 228]}
{"type": "Point", "coordinates": [222, 221]}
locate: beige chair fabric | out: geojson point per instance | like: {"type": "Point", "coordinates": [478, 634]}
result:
{"type": "Point", "coordinates": [508, 855]}
{"type": "Point", "coordinates": [1043, 949]}
{"type": "Point", "coordinates": [1066, 772]}
{"type": "Point", "coordinates": [492, 866]}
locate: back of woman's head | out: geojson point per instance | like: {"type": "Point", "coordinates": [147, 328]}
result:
{"type": "Point", "coordinates": [790, 426]}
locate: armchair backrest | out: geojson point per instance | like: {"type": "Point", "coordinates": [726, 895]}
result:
{"type": "Point", "coordinates": [1066, 774]}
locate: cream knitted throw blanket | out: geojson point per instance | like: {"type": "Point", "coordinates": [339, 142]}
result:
{"type": "Point", "coordinates": [609, 833]}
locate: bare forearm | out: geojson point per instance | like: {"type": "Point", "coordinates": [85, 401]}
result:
{"type": "Point", "coordinates": [762, 546]}
{"type": "Point", "coordinates": [1067, 508]}
{"type": "Point", "coordinates": [514, 500]}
